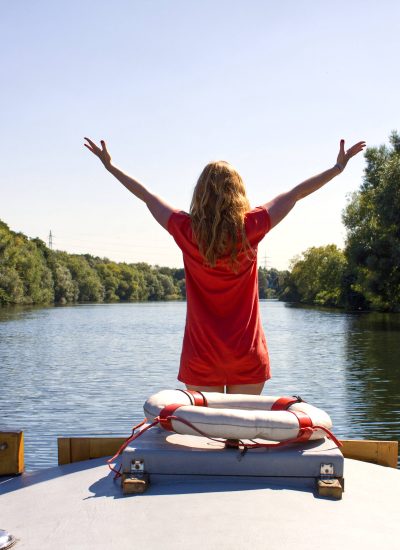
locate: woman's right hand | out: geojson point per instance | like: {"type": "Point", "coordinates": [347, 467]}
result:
{"type": "Point", "coordinates": [344, 156]}
{"type": "Point", "coordinates": [102, 153]}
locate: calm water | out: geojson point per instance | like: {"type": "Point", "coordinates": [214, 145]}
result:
{"type": "Point", "coordinates": [87, 369]}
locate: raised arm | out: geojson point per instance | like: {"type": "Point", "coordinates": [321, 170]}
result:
{"type": "Point", "coordinates": [281, 205]}
{"type": "Point", "coordinates": [159, 208]}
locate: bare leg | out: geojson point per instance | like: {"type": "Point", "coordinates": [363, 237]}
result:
{"type": "Point", "coordinates": [219, 389]}
{"type": "Point", "coordinates": [249, 389]}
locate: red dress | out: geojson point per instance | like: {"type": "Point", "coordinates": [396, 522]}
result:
{"type": "Point", "coordinates": [224, 342]}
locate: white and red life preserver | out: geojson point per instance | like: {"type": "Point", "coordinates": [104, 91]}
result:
{"type": "Point", "coordinates": [234, 416]}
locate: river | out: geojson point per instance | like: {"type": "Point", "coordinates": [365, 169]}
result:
{"type": "Point", "coordinates": [88, 368]}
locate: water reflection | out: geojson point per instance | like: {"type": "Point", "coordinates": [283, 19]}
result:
{"type": "Point", "coordinates": [89, 368]}
{"type": "Point", "coordinates": [373, 375]}
{"type": "Point", "coordinates": [308, 358]}
{"type": "Point", "coordinates": [84, 369]}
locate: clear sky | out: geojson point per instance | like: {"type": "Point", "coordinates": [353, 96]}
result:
{"type": "Point", "coordinates": [172, 84]}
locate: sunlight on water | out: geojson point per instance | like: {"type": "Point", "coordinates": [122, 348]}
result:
{"type": "Point", "coordinates": [87, 369]}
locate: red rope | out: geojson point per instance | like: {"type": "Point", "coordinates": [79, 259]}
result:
{"type": "Point", "coordinates": [132, 437]}
{"type": "Point", "coordinates": [303, 435]}
{"type": "Point", "coordinates": [330, 435]}
{"type": "Point", "coordinates": [138, 425]}
{"type": "Point", "coordinates": [239, 441]}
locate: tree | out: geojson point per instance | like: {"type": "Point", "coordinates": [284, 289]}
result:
{"type": "Point", "coordinates": [269, 282]}
{"type": "Point", "coordinates": [288, 291]}
{"type": "Point", "coordinates": [262, 283]}
{"type": "Point", "coordinates": [64, 288]}
{"type": "Point", "coordinates": [372, 218]}
{"type": "Point", "coordinates": [316, 277]}
{"type": "Point", "coordinates": [132, 284]}
{"type": "Point", "coordinates": [181, 285]}
{"type": "Point", "coordinates": [24, 275]}
{"type": "Point", "coordinates": [88, 282]}
{"type": "Point", "coordinates": [110, 275]}
{"type": "Point", "coordinates": [11, 286]}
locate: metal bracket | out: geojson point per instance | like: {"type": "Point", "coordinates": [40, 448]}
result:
{"type": "Point", "coordinates": [327, 472]}
{"type": "Point", "coordinates": [137, 467]}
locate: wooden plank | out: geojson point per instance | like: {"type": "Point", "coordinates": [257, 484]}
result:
{"type": "Point", "coordinates": [80, 448]}
{"type": "Point", "coordinates": [74, 449]}
{"type": "Point", "coordinates": [21, 458]}
{"type": "Point", "coordinates": [11, 452]}
{"type": "Point", "coordinates": [105, 446]}
{"type": "Point", "coordinates": [64, 450]}
{"type": "Point", "coordinates": [388, 453]}
{"type": "Point", "coordinates": [384, 453]}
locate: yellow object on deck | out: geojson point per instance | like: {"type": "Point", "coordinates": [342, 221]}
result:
{"type": "Point", "coordinates": [11, 452]}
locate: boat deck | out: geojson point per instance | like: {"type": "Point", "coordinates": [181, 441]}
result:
{"type": "Point", "coordinates": [80, 507]}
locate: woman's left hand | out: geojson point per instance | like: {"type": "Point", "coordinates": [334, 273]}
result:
{"type": "Point", "coordinates": [344, 156]}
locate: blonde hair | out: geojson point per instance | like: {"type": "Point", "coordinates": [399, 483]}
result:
{"type": "Point", "coordinates": [217, 211]}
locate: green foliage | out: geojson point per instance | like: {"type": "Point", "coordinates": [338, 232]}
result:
{"type": "Point", "coordinates": [32, 273]}
{"type": "Point", "coordinates": [111, 274]}
{"type": "Point", "coordinates": [288, 290]}
{"type": "Point", "coordinates": [181, 286]}
{"type": "Point", "coordinates": [65, 288]}
{"type": "Point", "coordinates": [316, 277]}
{"type": "Point", "coordinates": [270, 282]}
{"type": "Point", "coordinates": [90, 288]}
{"type": "Point", "coordinates": [24, 275]}
{"type": "Point", "coordinates": [132, 284]}
{"type": "Point", "coordinates": [11, 286]}
{"type": "Point", "coordinates": [372, 218]}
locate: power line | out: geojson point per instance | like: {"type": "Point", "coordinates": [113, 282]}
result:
{"type": "Point", "coordinates": [266, 259]}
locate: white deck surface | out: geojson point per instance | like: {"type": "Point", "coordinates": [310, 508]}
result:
{"type": "Point", "coordinates": [80, 507]}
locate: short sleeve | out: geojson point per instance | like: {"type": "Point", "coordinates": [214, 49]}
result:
{"type": "Point", "coordinates": [179, 226]}
{"type": "Point", "coordinates": [258, 223]}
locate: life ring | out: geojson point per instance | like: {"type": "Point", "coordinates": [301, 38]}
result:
{"type": "Point", "coordinates": [234, 416]}
{"type": "Point", "coordinates": [239, 419]}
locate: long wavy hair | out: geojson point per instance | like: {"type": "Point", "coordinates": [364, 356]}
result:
{"type": "Point", "coordinates": [217, 211]}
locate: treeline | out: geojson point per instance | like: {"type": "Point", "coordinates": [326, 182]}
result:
{"type": "Point", "coordinates": [366, 274]}
{"type": "Point", "coordinates": [32, 273]}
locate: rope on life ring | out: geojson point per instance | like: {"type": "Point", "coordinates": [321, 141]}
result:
{"type": "Point", "coordinates": [167, 416]}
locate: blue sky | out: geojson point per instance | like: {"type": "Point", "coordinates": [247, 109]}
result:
{"type": "Point", "coordinates": [172, 84]}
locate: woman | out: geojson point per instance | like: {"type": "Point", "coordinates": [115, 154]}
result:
{"type": "Point", "coordinates": [224, 344]}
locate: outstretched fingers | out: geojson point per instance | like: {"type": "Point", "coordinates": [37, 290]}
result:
{"type": "Point", "coordinates": [93, 147]}
{"type": "Point", "coordinates": [101, 153]}
{"type": "Point", "coordinates": [357, 148]}
{"type": "Point", "coordinates": [103, 145]}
